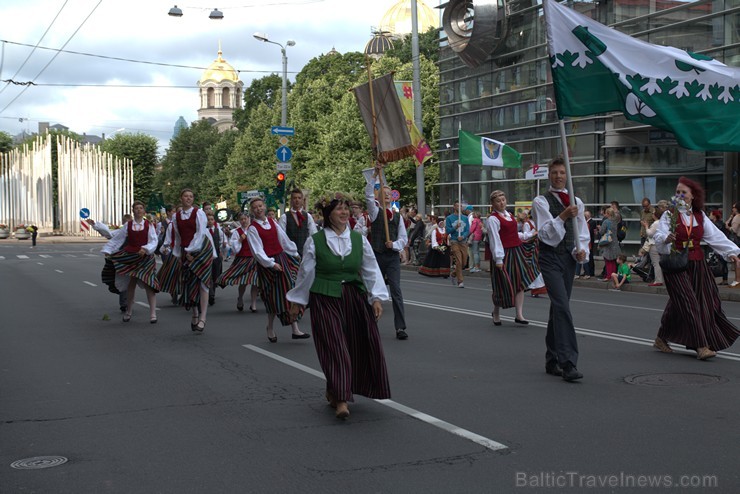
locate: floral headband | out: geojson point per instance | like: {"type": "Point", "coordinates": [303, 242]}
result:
{"type": "Point", "coordinates": [326, 201]}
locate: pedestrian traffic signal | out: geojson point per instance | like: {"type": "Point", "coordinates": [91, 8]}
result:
{"type": "Point", "coordinates": [280, 186]}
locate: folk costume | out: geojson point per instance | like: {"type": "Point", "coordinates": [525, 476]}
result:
{"type": "Point", "coordinates": [219, 244]}
{"type": "Point", "coordinates": [531, 242]}
{"type": "Point", "coordinates": [189, 235]}
{"type": "Point", "coordinates": [693, 316]}
{"type": "Point", "coordinates": [298, 225]}
{"type": "Point", "coordinates": [437, 261]}
{"type": "Point", "coordinates": [337, 279]}
{"type": "Point", "coordinates": [126, 259]}
{"type": "Point", "coordinates": [168, 275]}
{"type": "Point", "coordinates": [270, 245]}
{"type": "Point", "coordinates": [243, 271]}
{"type": "Point", "coordinates": [519, 268]}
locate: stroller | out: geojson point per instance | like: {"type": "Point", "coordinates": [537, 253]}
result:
{"type": "Point", "coordinates": [644, 268]}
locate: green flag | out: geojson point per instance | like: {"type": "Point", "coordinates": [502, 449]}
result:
{"type": "Point", "coordinates": [475, 150]}
{"type": "Point", "coordinates": [596, 69]}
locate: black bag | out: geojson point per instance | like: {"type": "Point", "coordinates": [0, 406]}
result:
{"type": "Point", "coordinates": [675, 262]}
{"type": "Point", "coordinates": [621, 231]}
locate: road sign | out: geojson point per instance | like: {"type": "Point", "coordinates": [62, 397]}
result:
{"type": "Point", "coordinates": [536, 172]}
{"type": "Point", "coordinates": [395, 195]}
{"type": "Point", "coordinates": [283, 167]}
{"type": "Point", "coordinates": [283, 140]}
{"type": "Point", "coordinates": [284, 154]}
{"type": "Point", "coordinates": [283, 131]}
{"type": "Point", "coordinates": [84, 213]}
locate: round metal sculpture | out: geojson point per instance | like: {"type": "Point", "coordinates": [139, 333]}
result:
{"type": "Point", "coordinates": [475, 28]}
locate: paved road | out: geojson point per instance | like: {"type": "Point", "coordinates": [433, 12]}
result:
{"type": "Point", "coordinates": [156, 408]}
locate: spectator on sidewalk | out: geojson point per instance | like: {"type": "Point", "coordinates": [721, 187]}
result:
{"type": "Point", "coordinates": [650, 247]}
{"type": "Point", "coordinates": [609, 250]}
{"type": "Point", "coordinates": [476, 235]}
{"type": "Point", "coordinates": [458, 228]}
{"type": "Point", "coordinates": [646, 219]}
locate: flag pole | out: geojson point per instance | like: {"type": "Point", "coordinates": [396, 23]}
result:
{"type": "Point", "coordinates": [571, 194]}
{"type": "Point", "coordinates": [381, 192]}
{"type": "Point", "coordinates": [459, 182]}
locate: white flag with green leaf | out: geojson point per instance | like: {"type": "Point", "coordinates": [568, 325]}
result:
{"type": "Point", "coordinates": [597, 69]}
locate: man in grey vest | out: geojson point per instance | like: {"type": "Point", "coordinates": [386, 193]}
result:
{"type": "Point", "coordinates": [559, 254]}
{"type": "Point", "coordinates": [387, 252]}
{"type": "Point", "coordinates": [298, 223]}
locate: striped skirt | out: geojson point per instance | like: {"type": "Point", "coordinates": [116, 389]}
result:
{"type": "Point", "coordinates": [693, 315]}
{"type": "Point", "coordinates": [131, 264]}
{"type": "Point", "coordinates": [169, 274]}
{"type": "Point", "coordinates": [274, 285]}
{"type": "Point", "coordinates": [348, 345]}
{"type": "Point", "coordinates": [243, 271]}
{"type": "Point", "coordinates": [519, 271]}
{"type": "Point", "coordinates": [196, 273]}
{"type": "Point", "coordinates": [108, 276]}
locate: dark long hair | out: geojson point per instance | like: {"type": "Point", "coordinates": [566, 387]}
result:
{"type": "Point", "coordinates": [326, 209]}
{"type": "Point", "coordinates": [697, 203]}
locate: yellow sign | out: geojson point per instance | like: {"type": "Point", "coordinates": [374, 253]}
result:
{"type": "Point", "coordinates": [283, 140]}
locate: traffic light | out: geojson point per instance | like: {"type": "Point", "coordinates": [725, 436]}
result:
{"type": "Point", "coordinates": [280, 186]}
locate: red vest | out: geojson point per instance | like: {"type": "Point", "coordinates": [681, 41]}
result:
{"type": "Point", "coordinates": [270, 241]}
{"type": "Point", "coordinates": [245, 250]}
{"type": "Point", "coordinates": [136, 240]}
{"type": "Point", "coordinates": [508, 232]}
{"type": "Point", "coordinates": [187, 228]}
{"type": "Point", "coordinates": [441, 237]}
{"type": "Point", "coordinates": [697, 233]}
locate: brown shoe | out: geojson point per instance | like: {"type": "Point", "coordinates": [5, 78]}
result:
{"type": "Point", "coordinates": [704, 353]}
{"type": "Point", "coordinates": [330, 398]}
{"type": "Point", "coordinates": [342, 410]}
{"type": "Point", "coordinates": [662, 345]}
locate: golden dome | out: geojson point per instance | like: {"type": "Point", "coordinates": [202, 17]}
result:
{"type": "Point", "coordinates": [219, 71]}
{"type": "Point", "coordinates": [397, 20]}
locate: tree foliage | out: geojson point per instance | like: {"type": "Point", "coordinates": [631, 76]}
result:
{"type": "Point", "coordinates": [141, 149]}
{"type": "Point", "coordinates": [6, 142]}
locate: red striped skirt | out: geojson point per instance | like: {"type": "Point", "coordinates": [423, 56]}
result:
{"type": "Point", "coordinates": [169, 274]}
{"type": "Point", "coordinates": [243, 271]}
{"type": "Point", "coordinates": [274, 285]}
{"type": "Point", "coordinates": [348, 345]}
{"type": "Point", "coordinates": [519, 271]}
{"type": "Point", "coordinates": [196, 272]}
{"type": "Point", "coordinates": [693, 315]}
{"type": "Point", "coordinates": [143, 268]}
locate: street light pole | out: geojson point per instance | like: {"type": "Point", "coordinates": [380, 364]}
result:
{"type": "Point", "coordinates": [263, 37]}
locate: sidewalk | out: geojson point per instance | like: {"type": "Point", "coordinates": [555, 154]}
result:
{"type": "Point", "coordinates": [726, 293]}
{"type": "Point", "coordinates": [55, 239]}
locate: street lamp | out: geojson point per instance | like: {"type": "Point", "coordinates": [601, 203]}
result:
{"type": "Point", "coordinates": [290, 42]}
{"type": "Point", "coordinates": [177, 12]}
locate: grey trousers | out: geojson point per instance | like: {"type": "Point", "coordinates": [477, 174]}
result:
{"type": "Point", "coordinates": [558, 272]}
{"type": "Point", "coordinates": [390, 265]}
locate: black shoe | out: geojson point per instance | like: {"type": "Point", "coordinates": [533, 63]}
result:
{"type": "Point", "coordinates": [521, 321]}
{"type": "Point", "coordinates": [123, 308]}
{"type": "Point", "coordinates": [300, 336]}
{"type": "Point", "coordinates": [401, 334]}
{"type": "Point", "coordinates": [570, 373]}
{"type": "Point", "coordinates": [553, 369]}
{"type": "Point", "coordinates": [211, 301]}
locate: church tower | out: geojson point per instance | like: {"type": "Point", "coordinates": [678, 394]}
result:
{"type": "Point", "coordinates": [220, 93]}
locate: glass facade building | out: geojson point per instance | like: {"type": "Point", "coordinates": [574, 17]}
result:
{"type": "Point", "coordinates": [510, 98]}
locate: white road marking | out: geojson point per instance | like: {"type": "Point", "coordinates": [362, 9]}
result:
{"type": "Point", "coordinates": [21, 256]}
{"type": "Point", "coordinates": [45, 256]}
{"type": "Point", "coordinates": [58, 271]}
{"type": "Point", "coordinates": [144, 305]}
{"type": "Point", "coordinates": [2, 258]}
{"type": "Point", "coordinates": [88, 283]}
{"type": "Point", "coordinates": [69, 255]}
{"type": "Point", "coordinates": [441, 424]}
{"type": "Point", "coordinates": [587, 332]}
{"type": "Point", "coordinates": [92, 255]}
{"type": "Point", "coordinates": [40, 263]}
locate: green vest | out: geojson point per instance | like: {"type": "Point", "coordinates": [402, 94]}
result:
{"type": "Point", "coordinates": [332, 271]}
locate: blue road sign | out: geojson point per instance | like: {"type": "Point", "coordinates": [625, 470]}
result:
{"type": "Point", "coordinates": [283, 131]}
{"type": "Point", "coordinates": [284, 154]}
{"type": "Point", "coordinates": [84, 213]}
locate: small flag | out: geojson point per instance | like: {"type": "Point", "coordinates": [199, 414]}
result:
{"type": "Point", "coordinates": [596, 69]}
{"type": "Point", "coordinates": [476, 150]}
{"type": "Point", "coordinates": [406, 97]}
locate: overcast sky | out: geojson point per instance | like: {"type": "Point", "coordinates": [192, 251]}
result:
{"type": "Point", "coordinates": [71, 89]}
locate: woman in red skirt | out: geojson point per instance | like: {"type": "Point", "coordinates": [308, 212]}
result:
{"type": "Point", "coordinates": [277, 266]}
{"type": "Point", "coordinates": [134, 262]}
{"type": "Point", "coordinates": [193, 246]}
{"type": "Point", "coordinates": [339, 279]}
{"type": "Point", "coordinates": [515, 268]}
{"type": "Point", "coordinates": [243, 271]}
{"type": "Point", "coordinates": [693, 316]}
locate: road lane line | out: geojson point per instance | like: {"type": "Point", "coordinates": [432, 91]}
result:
{"type": "Point", "coordinates": [88, 283]}
{"type": "Point", "coordinates": [2, 258]}
{"type": "Point", "coordinates": [58, 271]}
{"type": "Point", "coordinates": [92, 255]}
{"type": "Point", "coordinates": [40, 263]}
{"type": "Point", "coordinates": [441, 424]}
{"type": "Point", "coordinates": [145, 305]}
{"type": "Point", "coordinates": [45, 256]}
{"type": "Point", "coordinates": [584, 331]}
{"type": "Point", "coordinates": [69, 255]}
{"type": "Point", "coordinates": [21, 256]}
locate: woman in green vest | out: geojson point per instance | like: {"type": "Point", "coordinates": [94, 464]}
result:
{"type": "Point", "coordinates": [340, 281]}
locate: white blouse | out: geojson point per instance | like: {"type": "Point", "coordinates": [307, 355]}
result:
{"type": "Point", "coordinates": [340, 245]}
{"type": "Point", "coordinates": [258, 248]}
{"type": "Point", "coordinates": [552, 230]}
{"type": "Point", "coordinates": [494, 239]}
{"type": "Point", "coordinates": [201, 229]}
{"type": "Point", "coordinates": [717, 240]}
{"type": "Point", "coordinates": [236, 240]}
{"type": "Point", "coordinates": [434, 236]}
{"type": "Point", "coordinates": [117, 240]}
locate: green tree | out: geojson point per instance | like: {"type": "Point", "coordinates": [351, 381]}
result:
{"type": "Point", "coordinates": [183, 165]}
{"type": "Point", "coordinates": [266, 90]}
{"type": "Point", "coordinates": [6, 142]}
{"type": "Point", "coordinates": [428, 47]}
{"type": "Point", "coordinates": [215, 180]}
{"type": "Point", "coordinates": [141, 149]}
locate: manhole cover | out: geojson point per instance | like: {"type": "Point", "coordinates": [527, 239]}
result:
{"type": "Point", "coordinates": [39, 462]}
{"type": "Point", "coordinates": [677, 379]}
